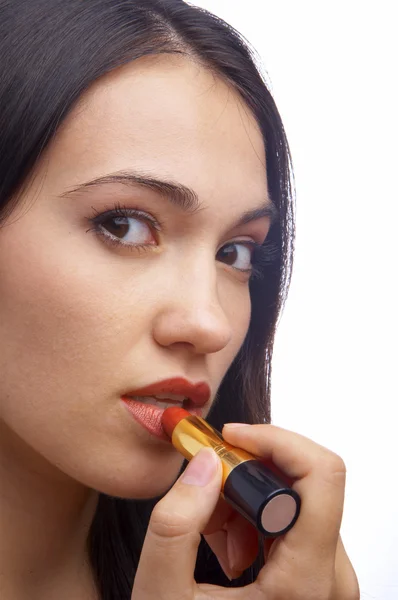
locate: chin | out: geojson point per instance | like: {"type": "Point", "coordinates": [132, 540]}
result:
{"type": "Point", "coordinates": [139, 484]}
{"type": "Point", "coordinates": [137, 490]}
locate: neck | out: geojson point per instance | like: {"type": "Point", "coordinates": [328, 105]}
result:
{"type": "Point", "coordinates": [45, 518]}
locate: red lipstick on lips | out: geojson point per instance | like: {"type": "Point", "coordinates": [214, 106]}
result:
{"type": "Point", "coordinates": [257, 493]}
{"type": "Point", "coordinates": [149, 416]}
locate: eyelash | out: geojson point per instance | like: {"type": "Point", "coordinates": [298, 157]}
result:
{"type": "Point", "coordinates": [263, 254]}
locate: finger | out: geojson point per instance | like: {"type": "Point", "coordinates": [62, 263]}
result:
{"type": "Point", "coordinates": [242, 543]}
{"type": "Point", "coordinates": [232, 538]}
{"type": "Point", "coordinates": [168, 556]}
{"type": "Point", "coordinates": [235, 545]}
{"type": "Point", "coordinates": [215, 535]}
{"type": "Point", "coordinates": [223, 512]}
{"type": "Point", "coordinates": [218, 543]}
{"type": "Point", "coordinates": [319, 478]}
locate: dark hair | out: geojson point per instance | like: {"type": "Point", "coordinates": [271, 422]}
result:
{"type": "Point", "coordinates": [51, 52]}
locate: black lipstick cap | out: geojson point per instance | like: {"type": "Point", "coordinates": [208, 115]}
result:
{"type": "Point", "coordinates": [262, 498]}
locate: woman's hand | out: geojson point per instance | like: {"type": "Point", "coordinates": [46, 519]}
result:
{"type": "Point", "coordinates": [307, 563]}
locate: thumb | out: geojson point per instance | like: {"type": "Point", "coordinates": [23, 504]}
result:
{"type": "Point", "coordinates": [168, 556]}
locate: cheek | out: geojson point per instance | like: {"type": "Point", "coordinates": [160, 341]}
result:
{"type": "Point", "coordinates": [61, 325]}
{"type": "Point", "coordinates": [238, 314]}
{"type": "Point", "coordinates": [45, 302]}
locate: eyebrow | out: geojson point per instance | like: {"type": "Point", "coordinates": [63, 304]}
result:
{"type": "Point", "coordinates": [181, 196]}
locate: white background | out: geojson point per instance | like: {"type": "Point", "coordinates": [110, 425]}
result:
{"type": "Point", "coordinates": [333, 71]}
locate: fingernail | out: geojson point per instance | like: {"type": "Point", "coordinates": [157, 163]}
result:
{"type": "Point", "coordinates": [235, 425]}
{"type": "Point", "coordinates": [202, 468]}
{"type": "Point", "coordinates": [230, 573]}
{"type": "Point", "coordinates": [232, 554]}
{"type": "Point", "coordinates": [225, 568]}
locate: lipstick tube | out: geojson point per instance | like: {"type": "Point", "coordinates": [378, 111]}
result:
{"type": "Point", "coordinates": [247, 484]}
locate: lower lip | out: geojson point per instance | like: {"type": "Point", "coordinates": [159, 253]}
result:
{"type": "Point", "coordinates": [150, 416]}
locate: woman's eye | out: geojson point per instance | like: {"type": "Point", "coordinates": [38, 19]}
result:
{"type": "Point", "coordinates": [128, 230]}
{"type": "Point", "coordinates": [238, 255]}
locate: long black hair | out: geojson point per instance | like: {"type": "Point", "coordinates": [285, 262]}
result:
{"type": "Point", "coordinates": [51, 51]}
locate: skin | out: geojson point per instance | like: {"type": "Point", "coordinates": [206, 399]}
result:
{"type": "Point", "coordinates": [82, 322]}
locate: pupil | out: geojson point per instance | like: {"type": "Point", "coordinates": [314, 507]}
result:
{"type": "Point", "coordinates": [229, 253]}
{"type": "Point", "coordinates": [118, 226]}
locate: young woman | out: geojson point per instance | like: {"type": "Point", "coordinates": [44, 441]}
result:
{"type": "Point", "coordinates": [147, 227]}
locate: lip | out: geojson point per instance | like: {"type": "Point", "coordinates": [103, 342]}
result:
{"type": "Point", "coordinates": [198, 393]}
{"type": "Point", "coordinates": [150, 416]}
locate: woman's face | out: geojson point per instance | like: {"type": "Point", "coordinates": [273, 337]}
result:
{"type": "Point", "coordinates": [83, 320]}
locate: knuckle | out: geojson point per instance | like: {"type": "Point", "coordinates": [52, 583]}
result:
{"type": "Point", "coordinates": [335, 468]}
{"type": "Point", "coordinates": [170, 524]}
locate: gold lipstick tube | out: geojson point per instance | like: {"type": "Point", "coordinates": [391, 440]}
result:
{"type": "Point", "coordinates": [247, 484]}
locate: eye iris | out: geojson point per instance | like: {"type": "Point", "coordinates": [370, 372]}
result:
{"type": "Point", "coordinates": [229, 253]}
{"type": "Point", "coordinates": [117, 226]}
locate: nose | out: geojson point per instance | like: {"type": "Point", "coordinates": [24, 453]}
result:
{"type": "Point", "coordinates": [192, 316]}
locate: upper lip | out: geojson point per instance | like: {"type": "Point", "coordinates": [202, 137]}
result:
{"type": "Point", "coordinates": [198, 393]}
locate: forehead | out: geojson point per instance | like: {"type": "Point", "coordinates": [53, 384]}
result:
{"type": "Point", "coordinates": [170, 116]}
